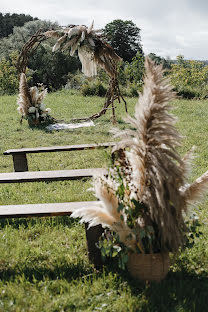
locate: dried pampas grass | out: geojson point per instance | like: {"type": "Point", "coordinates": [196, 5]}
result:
{"type": "Point", "coordinates": [106, 212]}
{"type": "Point", "coordinates": [29, 97]}
{"type": "Point", "coordinates": [158, 171]}
{"type": "Point", "coordinates": [152, 171]}
{"type": "Point", "coordinates": [24, 98]}
{"type": "Point", "coordinates": [92, 50]}
{"type": "Point", "coordinates": [195, 191]}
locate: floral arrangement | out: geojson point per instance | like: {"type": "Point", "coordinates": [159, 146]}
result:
{"type": "Point", "coordinates": [30, 103]}
{"type": "Point", "coordinates": [144, 200]}
{"type": "Point", "coordinates": [92, 50]}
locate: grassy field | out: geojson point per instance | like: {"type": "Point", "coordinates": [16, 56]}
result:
{"type": "Point", "coordinates": [43, 262]}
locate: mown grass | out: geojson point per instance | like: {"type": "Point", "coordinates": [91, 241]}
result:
{"type": "Point", "coordinates": [43, 262]}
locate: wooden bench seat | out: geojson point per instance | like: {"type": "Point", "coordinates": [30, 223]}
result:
{"type": "Point", "coordinates": [54, 175]}
{"type": "Point", "coordinates": [20, 155]}
{"type": "Point", "coordinates": [58, 209]}
{"type": "Point", "coordinates": [59, 148]}
{"type": "Point", "coordinates": [42, 210]}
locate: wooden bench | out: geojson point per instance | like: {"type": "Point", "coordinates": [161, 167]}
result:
{"type": "Point", "coordinates": [20, 155]}
{"type": "Point", "coordinates": [47, 176]}
{"type": "Point", "coordinates": [22, 174]}
{"type": "Point", "coordinates": [58, 209]}
{"type": "Point", "coordinates": [42, 210]}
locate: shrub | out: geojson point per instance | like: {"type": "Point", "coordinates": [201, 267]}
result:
{"type": "Point", "coordinates": [100, 90]}
{"type": "Point", "coordinates": [8, 74]}
{"type": "Point", "coordinates": [94, 88]}
{"type": "Point", "coordinates": [189, 92]}
{"type": "Point", "coordinates": [75, 81]}
{"type": "Point", "coordinates": [87, 90]}
{"type": "Point", "coordinates": [190, 78]}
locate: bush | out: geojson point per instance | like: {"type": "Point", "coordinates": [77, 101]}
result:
{"type": "Point", "coordinates": [94, 88]}
{"type": "Point", "coordinates": [100, 90]}
{"type": "Point", "coordinates": [8, 75]}
{"type": "Point", "coordinates": [75, 81]}
{"type": "Point", "coordinates": [130, 77]}
{"type": "Point", "coordinates": [188, 93]}
{"type": "Point", "coordinates": [134, 89]}
{"type": "Point", "coordinates": [46, 67]}
{"type": "Point", "coordinates": [193, 92]}
{"type": "Point", "coordinates": [189, 78]}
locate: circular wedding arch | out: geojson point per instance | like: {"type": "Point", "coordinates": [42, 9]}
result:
{"type": "Point", "coordinates": [92, 50]}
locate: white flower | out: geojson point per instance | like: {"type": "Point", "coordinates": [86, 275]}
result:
{"type": "Point", "coordinates": [42, 107]}
{"type": "Point", "coordinates": [48, 110]}
{"type": "Point", "coordinates": [32, 109]}
{"type": "Point", "coordinates": [43, 115]}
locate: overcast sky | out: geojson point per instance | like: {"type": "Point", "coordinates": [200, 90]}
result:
{"type": "Point", "coordinates": [168, 28]}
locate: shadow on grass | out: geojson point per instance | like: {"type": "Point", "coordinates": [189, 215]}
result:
{"type": "Point", "coordinates": [29, 222]}
{"type": "Point", "coordinates": [64, 271]}
{"type": "Point", "coordinates": [41, 127]}
{"type": "Point", "coordinates": [180, 291]}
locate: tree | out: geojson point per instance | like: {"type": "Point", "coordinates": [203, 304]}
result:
{"type": "Point", "coordinates": [8, 74]}
{"type": "Point", "coordinates": [189, 78]}
{"type": "Point", "coordinates": [189, 73]}
{"type": "Point", "coordinates": [45, 67]}
{"type": "Point", "coordinates": [135, 70]}
{"type": "Point", "coordinates": [166, 63]}
{"type": "Point", "coordinates": [124, 37]}
{"type": "Point", "coordinates": [50, 68]}
{"type": "Point", "coordinates": [20, 35]}
{"type": "Point", "coordinates": [8, 21]}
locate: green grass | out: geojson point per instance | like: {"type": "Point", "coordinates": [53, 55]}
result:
{"type": "Point", "coordinates": [43, 262]}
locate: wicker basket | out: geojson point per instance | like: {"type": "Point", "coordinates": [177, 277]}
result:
{"type": "Point", "coordinates": [149, 267]}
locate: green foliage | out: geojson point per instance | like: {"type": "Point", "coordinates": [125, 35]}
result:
{"type": "Point", "coordinates": [98, 85]}
{"type": "Point", "coordinates": [20, 35]}
{"type": "Point", "coordinates": [93, 88]}
{"type": "Point", "coordinates": [124, 37]}
{"type": "Point", "coordinates": [110, 247]}
{"type": "Point", "coordinates": [9, 21]}
{"type": "Point", "coordinates": [190, 78]}
{"type": "Point", "coordinates": [134, 71]}
{"type": "Point", "coordinates": [50, 68]}
{"type": "Point", "coordinates": [194, 227]}
{"type": "Point", "coordinates": [75, 81]}
{"type": "Point", "coordinates": [45, 67]}
{"type": "Point", "coordinates": [134, 213]}
{"type": "Point", "coordinates": [166, 63]}
{"type": "Point", "coordinates": [130, 76]}
{"type": "Point", "coordinates": [8, 74]}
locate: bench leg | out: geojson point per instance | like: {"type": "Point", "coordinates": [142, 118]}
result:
{"type": "Point", "coordinates": [92, 236]}
{"type": "Point", "coordinates": [20, 162]}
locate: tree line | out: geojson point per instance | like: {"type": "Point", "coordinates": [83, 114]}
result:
{"type": "Point", "coordinates": [8, 21]}
{"type": "Point", "coordinates": [54, 70]}
{"type": "Point", "coordinates": [59, 69]}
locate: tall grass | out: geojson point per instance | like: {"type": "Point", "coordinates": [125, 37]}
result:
{"type": "Point", "coordinates": [43, 262]}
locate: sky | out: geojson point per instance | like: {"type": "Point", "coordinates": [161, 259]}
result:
{"type": "Point", "coordinates": [168, 28]}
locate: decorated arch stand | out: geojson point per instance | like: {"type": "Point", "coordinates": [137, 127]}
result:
{"type": "Point", "coordinates": [93, 51]}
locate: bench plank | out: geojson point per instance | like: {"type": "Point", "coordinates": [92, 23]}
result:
{"type": "Point", "coordinates": [58, 148]}
{"type": "Point", "coordinates": [42, 210]}
{"type": "Point", "coordinates": [55, 175]}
